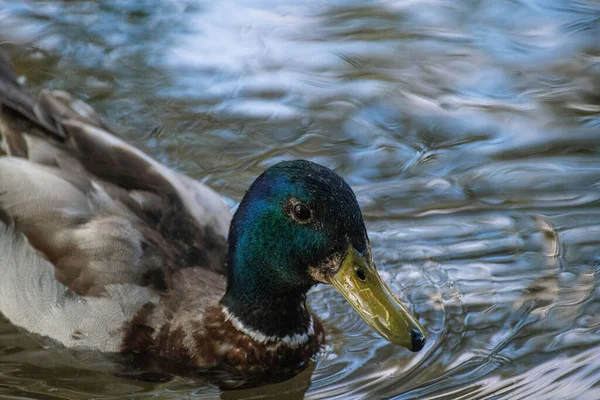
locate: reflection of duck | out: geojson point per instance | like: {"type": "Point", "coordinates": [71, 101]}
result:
{"type": "Point", "coordinates": [102, 247]}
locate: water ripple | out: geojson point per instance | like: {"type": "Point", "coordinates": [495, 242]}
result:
{"type": "Point", "coordinates": [469, 131]}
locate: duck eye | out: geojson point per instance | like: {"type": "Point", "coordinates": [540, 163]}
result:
{"type": "Point", "coordinates": [302, 212]}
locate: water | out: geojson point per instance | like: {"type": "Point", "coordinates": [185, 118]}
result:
{"type": "Point", "coordinates": [470, 131]}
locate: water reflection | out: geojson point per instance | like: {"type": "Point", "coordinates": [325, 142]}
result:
{"type": "Point", "coordinates": [469, 130]}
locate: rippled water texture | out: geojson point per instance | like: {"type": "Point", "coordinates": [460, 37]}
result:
{"type": "Point", "coordinates": [470, 131]}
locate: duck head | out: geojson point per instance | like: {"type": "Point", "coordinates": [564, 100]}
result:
{"type": "Point", "coordinates": [299, 225]}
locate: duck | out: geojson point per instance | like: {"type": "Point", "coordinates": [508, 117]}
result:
{"type": "Point", "coordinates": [103, 248]}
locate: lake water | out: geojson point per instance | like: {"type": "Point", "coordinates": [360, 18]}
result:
{"type": "Point", "coordinates": [470, 131]}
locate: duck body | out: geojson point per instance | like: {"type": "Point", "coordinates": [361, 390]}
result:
{"type": "Point", "coordinates": [110, 262]}
{"type": "Point", "coordinates": [104, 248]}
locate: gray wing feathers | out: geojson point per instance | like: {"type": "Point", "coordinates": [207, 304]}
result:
{"type": "Point", "coordinates": [92, 240]}
{"type": "Point", "coordinates": [100, 210]}
{"type": "Point", "coordinates": [110, 157]}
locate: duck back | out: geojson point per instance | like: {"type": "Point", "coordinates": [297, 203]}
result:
{"type": "Point", "coordinates": [91, 228]}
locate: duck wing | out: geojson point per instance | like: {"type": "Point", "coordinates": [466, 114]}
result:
{"type": "Point", "coordinates": [101, 211]}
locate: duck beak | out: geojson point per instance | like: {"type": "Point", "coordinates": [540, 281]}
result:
{"type": "Point", "coordinates": [360, 283]}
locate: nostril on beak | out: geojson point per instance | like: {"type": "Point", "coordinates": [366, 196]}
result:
{"type": "Point", "coordinates": [417, 340]}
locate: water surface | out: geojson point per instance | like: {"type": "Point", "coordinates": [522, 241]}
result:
{"type": "Point", "coordinates": [470, 131]}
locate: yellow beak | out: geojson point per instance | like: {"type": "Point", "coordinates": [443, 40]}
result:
{"type": "Point", "coordinates": [361, 285]}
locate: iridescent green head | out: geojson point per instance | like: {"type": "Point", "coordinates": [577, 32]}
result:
{"type": "Point", "coordinates": [299, 224]}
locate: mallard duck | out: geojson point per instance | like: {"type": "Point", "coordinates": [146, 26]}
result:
{"type": "Point", "coordinates": [104, 248]}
